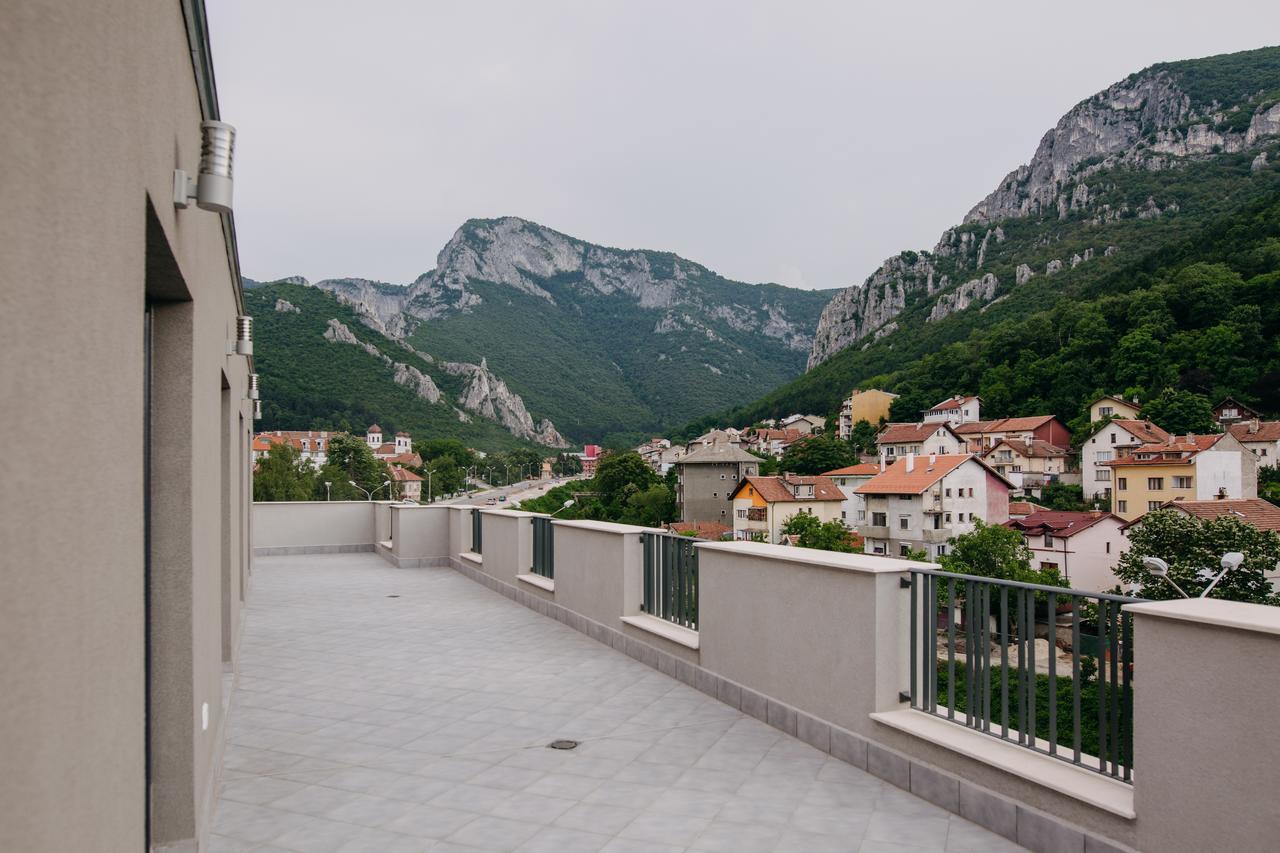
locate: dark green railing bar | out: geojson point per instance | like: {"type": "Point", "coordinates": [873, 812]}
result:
{"type": "Point", "coordinates": [543, 548]}
{"type": "Point", "coordinates": [670, 584]}
{"type": "Point", "coordinates": [477, 532]}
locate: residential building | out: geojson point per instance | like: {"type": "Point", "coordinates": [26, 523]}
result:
{"type": "Point", "coordinates": [1190, 467]}
{"type": "Point", "coordinates": [405, 484]}
{"type": "Point", "coordinates": [1257, 512]}
{"type": "Point", "coordinates": [1231, 411]}
{"type": "Point", "coordinates": [1031, 465]}
{"type": "Point", "coordinates": [871, 405]}
{"type": "Point", "coordinates": [311, 445]}
{"type": "Point", "coordinates": [706, 477]}
{"type": "Point", "coordinates": [955, 411]}
{"type": "Point", "coordinates": [1262, 437]}
{"type": "Point", "coordinates": [898, 440]}
{"type": "Point", "coordinates": [773, 442]}
{"type": "Point", "coordinates": [590, 457]}
{"type": "Point", "coordinates": [121, 604]}
{"type": "Point", "coordinates": [854, 509]}
{"type": "Point", "coordinates": [762, 505]}
{"type": "Point", "coordinates": [717, 436]}
{"type": "Point", "coordinates": [1083, 546]}
{"type": "Point", "coordinates": [981, 436]}
{"type": "Point", "coordinates": [804, 424]}
{"type": "Point", "coordinates": [1115, 440]}
{"type": "Point", "coordinates": [1108, 406]}
{"type": "Point", "coordinates": [919, 502]}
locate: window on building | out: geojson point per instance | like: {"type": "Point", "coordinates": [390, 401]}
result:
{"type": "Point", "coordinates": [879, 519]}
{"type": "Point", "coordinates": [1045, 565]}
{"type": "Point", "coordinates": [1102, 474]}
{"type": "Point", "coordinates": [1182, 482]}
{"type": "Point", "coordinates": [904, 550]}
{"type": "Point", "coordinates": [1103, 456]}
{"type": "Point", "coordinates": [1152, 505]}
{"type": "Point", "coordinates": [1016, 469]}
{"type": "Point", "coordinates": [971, 491]}
{"type": "Point", "coordinates": [904, 522]}
{"type": "Point", "coordinates": [1103, 411]}
{"type": "Point", "coordinates": [1122, 483]}
{"type": "Point", "coordinates": [947, 517]}
{"type": "Point", "coordinates": [1048, 540]}
{"type": "Point", "coordinates": [940, 551]}
{"type": "Point", "coordinates": [862, 515]}
{"type": "Point", "coordinates": [742, 513]}
{"type": "Point", "coordinates": [1122, 506]}
{"type": "Point", "coordinates": [1108, 547]}
{"type": "Point", "coordinates": [1113, 438]}
{"type": "Point", "coordinates": [960, 517]}
{"type": "Point", "coordinates": [1155, 484]}
{"type": "Point", "coordinates": [947, 492]}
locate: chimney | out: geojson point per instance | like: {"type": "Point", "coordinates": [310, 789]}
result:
{"type": "Point", "coordinates": [881, 463]}
{"type": "Point", "coordinates": [1253, 425]}
{"type": "Point", "coordinates": [911, 462]}
{"type": "Point", "coordinates": [933, 457]}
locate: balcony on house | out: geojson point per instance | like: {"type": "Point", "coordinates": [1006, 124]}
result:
{"type": "Point", "coordinates": [405, 669]}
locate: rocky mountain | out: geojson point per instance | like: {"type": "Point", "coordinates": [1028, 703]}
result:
{"type": "Point", "coordinates": [1176, 162]}
{"type": "Point", "coordinates": [1087, 173]}
{"type": "Point", "coordinates": [558, 339]}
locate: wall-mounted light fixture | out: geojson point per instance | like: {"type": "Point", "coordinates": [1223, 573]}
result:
{"type": "Point", "coordinates": [243, 344]}
{"type": "Point", "coordinates": [212, 190]}
{"type": "Point", "coordinates": [257, 410]}
{"type": "Point", "coordinates": [253, 386]}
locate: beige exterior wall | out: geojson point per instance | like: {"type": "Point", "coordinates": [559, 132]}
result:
{"type": "Point", "coordinates": [311, 524]}
{"type": "Point", "coordinates": [101, 104]}
{"type": "Point", "coordinates": [1114, 408]}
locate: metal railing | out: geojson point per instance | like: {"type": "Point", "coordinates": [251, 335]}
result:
{"type": "Point", "coordinates": [543, 548]}
{"type": "Point", "coordinates": [983, 672]}
{"type": "Point", "coordinates": [477, 532]}
{"type": "Point", "coordinates": [670, 578]}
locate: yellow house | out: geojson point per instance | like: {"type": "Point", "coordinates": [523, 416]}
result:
{"type": "Point", "coordinates": [1184, 468]}
{"type": "Point", "coordinates": [1115, 407]}
{"type": "Point", "coordinates": [762, 505]}
{"type": "Point", "coordinates": [870, 405]}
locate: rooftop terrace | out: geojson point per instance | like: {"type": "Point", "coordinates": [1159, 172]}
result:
{"type": "Point", "coordinates": [404, 668]}
{"type": "Point", "coordinates": [384, 710]}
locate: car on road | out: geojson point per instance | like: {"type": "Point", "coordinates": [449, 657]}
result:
{"type": "Point", "coordinates": [502, 497]}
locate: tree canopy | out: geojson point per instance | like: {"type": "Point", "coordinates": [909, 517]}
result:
{"type": "Point", "coordinates": [995, 551]}
{"type": "Point", "coordinates": [816, 454]}
{"type": "Point", "coordinates": [822, 535]}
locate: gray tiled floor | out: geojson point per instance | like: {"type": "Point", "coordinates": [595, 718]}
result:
{"type": "Point", "coordinates": [366, 722]}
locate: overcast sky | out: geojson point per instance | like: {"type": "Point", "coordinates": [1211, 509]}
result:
{"type": "Point", "coordinates": [797, 142]}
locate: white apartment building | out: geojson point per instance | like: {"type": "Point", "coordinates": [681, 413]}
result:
{"type": "Point", "coordinates": [1262, 437]}
{"type": "Point", "coordinates": [1083, 546]}
{"type": "Point", "coordinates": [853, 511]}
{"type": "Point", "coordinates": [1116, 440]}
{"type": "Point", "coordinates": [932, 437]}
{"type": "Point", "coordinates": [920, 502]}
{"type": "Point", "coordinates": [955, 410]}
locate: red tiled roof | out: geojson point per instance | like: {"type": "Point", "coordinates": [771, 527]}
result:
{"type": "Point", "coordinates": [786, 435]}
{"type": "Point", "coordinates": [402, 435]}
{"type": "Point", "coordinates": [1267, 431]}
{"type": "Point", "coordinates": [1023, 508]}
{"type": "Point", "coordinates": [374, 428]}
{"type": "Point", "coordinates": [404, 475]}
{"type": "Point", "coordinates": [1004, 425]}
{"type": "Point", "coordinates": [911, 433]}
{"type": "Point", "coordinates": [1035, 449]}
{"type": "Point", "coordinates": [1262, 514]}
{"type": "Point", "coordinates": [953, 403]}
{"type": "Point", "coordinates": [1188, 445]}
{"type": "Point", "coordinates": [775, 490]}
{"type": "Point", "coordinates": [1059, 523]}
{"type": "Point", "coordinates": [1142, 430]}
{"type": "Point", "coordinates": [897, 480]}
{"type": "Point", "coordinates": [701, 529]}
{"type": "Point", "coordinates": [1121, 400]}
{"type": "Point", "coordinates": [862, 469]}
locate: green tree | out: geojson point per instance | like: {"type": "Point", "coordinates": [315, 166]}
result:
{"type": "Point", "coordinates": [566, 465]}
{"type": "Point", "coordinates": [994, 551]}
{"type": "Point", "coordinates": [350, 459]}
{"type": "Point", "coordinates": [863, 438]}
{"type": "Point", "coordinates": [1062, 496]}
{"type": "Point", "coordinates": [768, 465]}
{"type": "Point", "coordinates": [653, 507]}
{"type": "Point", "coordinates": [816, 454]}
{"type": "Point", "coordinates": [283, 475]}
{"type": "Point", "coordinates": [1193, 548]}
{"type": "Point", "coordinates": [1181, 412]}
{"type": "Point", "coordinates": [824, 536]}
{"type": "Point", "coordinates": [1269, 484]}
{"type": "Point", "coordinates": [620, 475]}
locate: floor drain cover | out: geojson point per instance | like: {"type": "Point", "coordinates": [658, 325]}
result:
{"type": "Point", "coordinates": [393, 596]}
{"type": "Point", "coordinates": [562, 744]}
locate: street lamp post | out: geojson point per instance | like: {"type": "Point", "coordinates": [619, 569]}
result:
{"type": "Point", "coordinates": [327, 486]}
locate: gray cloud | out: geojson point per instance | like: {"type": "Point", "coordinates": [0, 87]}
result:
{"type": "Point", "coordinates": [793, 142]}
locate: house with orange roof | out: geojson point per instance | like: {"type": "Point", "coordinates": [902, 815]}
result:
{"type": "Point", "coordinates": [1186, 467]}
{"type": "Point", "coordinates": [954, 410]}
{"type": "Point", "coordinates": [920, 502]}
{"type": "Point", "coordinates": [405, 484]}
{"type": "Point", "coordinates": [854, 509]}
{"type": "Point", "coordinates": [1110, 406]}
{"type": "Point", "coordinates": [762, 505]}
{"type": "Point", "coordinates": [1032, 465]}
{"type": "Point", "coordinates": [1262, 437]}
{"type": "Point", "coordinates": [1255, 512]}
{"type": "Point", "coordinates": [1083, 546]}
{"type": "Point", "coordinates": [312, 445]}
{"type": "Point", "coordinates": [903, 439]}
{"type": "Point", "coordinates": [981, 436]}
{"type": "Point", "coordinates": [1115, 440]}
